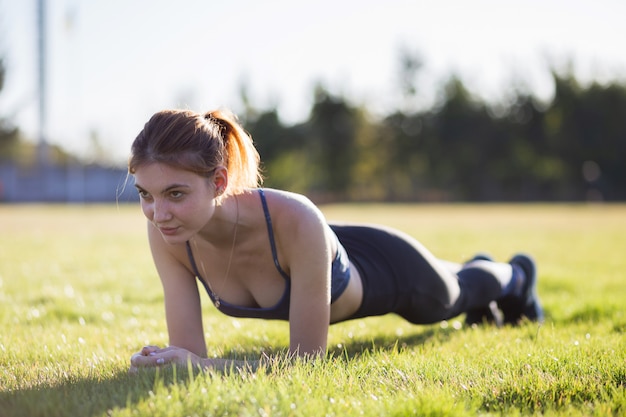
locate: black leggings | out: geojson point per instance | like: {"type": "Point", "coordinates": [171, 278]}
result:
{"type": "Point", "coordinates": [401, 276]}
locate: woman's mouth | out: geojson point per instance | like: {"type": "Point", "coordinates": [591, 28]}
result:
{"type": "Point", "coordinates": [168, 231]}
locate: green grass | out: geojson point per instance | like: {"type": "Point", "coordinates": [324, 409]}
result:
{"type": "Point", "coordinates": [79, 295]}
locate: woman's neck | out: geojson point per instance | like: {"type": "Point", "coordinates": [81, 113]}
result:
{"type": "Point", "coordinates": [220, 228]}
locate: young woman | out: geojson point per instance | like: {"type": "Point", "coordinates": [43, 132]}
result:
{"type": "Point", "coordinates": [270, 254]}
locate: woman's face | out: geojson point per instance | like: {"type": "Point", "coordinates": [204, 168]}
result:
{"type": "Point", "coordinates": [177, 202]}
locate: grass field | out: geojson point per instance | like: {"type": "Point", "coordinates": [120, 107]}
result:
{"type": "Point", "coordinates": [79, 295]}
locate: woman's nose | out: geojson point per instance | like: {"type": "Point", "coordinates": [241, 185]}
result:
{"type": "Point", "coordinates": [160, 212]}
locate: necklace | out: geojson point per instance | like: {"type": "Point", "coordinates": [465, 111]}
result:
{"type": "Point", "coordinates": [214, 296]}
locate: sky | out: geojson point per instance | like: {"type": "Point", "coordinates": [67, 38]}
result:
{"type": "Point", "coordinates": [111, 64]}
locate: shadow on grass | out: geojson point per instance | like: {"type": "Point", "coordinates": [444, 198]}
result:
{"type": "Point", "coordinates": [358, 346]}
{"type": "Point", "coordinates": [97, 395]}
{"type": "Point", "coordinates": [83, 396]}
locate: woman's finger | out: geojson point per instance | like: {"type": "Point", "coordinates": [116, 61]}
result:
{"type": "Point", "coordinates": [158, 357]}
{"type": "Point", "coordinates": [146, 350]}
{"type": "Point", "coordinates": [139, 360]}
{"type": "Point", "coordinates": [153, 359]}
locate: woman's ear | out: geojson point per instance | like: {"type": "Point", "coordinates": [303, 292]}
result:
{"type": "Point", "coordinates": [220, 180]}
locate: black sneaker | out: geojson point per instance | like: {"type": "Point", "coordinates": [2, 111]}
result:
{"type": "Point", "coordinates": [483, 315]}
{"type": "Point", "coordinates": [526, 304]}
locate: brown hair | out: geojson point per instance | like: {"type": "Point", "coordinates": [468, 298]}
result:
{"type": "Point", "coordinates": [199, 143]}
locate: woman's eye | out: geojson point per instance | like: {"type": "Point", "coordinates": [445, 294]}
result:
{"type": "Point", "coordinates": [176, 194]}
{"type": "Point", "coordinates": [143, 194]}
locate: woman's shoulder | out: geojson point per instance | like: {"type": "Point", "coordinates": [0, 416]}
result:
{"type": "Point", "coordinates": [285, 202]}
{"type": "Point", "coordinates": [289, 209]}
{"type": "Point", "coordinates": [294, 216]}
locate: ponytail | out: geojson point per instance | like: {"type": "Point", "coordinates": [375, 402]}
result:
{"type": "Point", "coordinates": [240, 156]}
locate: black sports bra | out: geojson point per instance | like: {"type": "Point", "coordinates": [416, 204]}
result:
{"type": "Point", "coordinates": [340, 276]}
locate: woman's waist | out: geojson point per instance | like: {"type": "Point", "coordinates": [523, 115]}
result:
{"type": "Point", "coordinates": [350, 300]}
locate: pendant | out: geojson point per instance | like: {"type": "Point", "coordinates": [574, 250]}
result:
{"type": "Point", "coordinates": [217, 302]}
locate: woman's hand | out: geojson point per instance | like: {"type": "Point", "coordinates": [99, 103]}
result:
{"type": "Point", "coordinates": [153, 356]}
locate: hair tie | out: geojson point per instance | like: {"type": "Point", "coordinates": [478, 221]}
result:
{"type": "Point", "coordinates": [218, 125]}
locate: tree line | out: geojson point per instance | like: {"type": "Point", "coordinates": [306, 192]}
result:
{"type": "Point", "coordinates": [461, 149]}
{"type": "Point", "coordinates": [8, 132]}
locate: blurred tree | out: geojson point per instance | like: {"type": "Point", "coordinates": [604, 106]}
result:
{"type": "Point", "coordinates": [21, 152]}
{"type": "Point", "coordinates": [605, 140]}
{"type": "Point", "coordinates": [411, 63]}
{"type": "Point", "coordinates": [281, 149]}
{"type": "Point", "coordinates": [572, 148]}
{"type": "Point", "coordinates": [333, 124]}
{"type": "Point", "coordinates": [270, 136]}
{"type": "Point", "coordinates": [588, 125]}
{"type": "Point", "coordinates": [8, 133]}
{"type": "Point", "coordinates": [539, 169]}
{"type": "Point", "coordinates": [460, 142]}
{"type": "Point", "coordinates": [404, 159]}
{"type": "Point", "coordinates": [400, 137]}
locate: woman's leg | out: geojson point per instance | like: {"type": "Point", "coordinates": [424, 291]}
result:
{"type": "Point", "coordinates": [476, 284]}
{"type": "Point", "coordinates": [401, 276]}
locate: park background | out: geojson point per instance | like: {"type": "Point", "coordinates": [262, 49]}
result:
{"type": "Point", "coordinates": [355, 101]}
{"type": "Point", "coordinates": [357, 104]}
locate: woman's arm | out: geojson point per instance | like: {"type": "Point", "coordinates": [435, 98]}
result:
{"type": "Point", "coordinates": [305, 238]}
{"type": "Point", "coordinates": [183, 312]}
{"type": "Point", "coordinates": [182, 300]}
